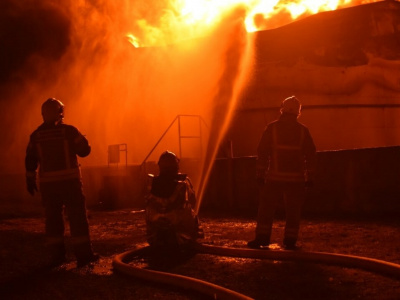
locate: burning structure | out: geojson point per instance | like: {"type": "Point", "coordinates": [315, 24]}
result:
{"type": "Point", "coordinates": [343, 65]}
{"type": "Point", "coordinates": [345, 72]}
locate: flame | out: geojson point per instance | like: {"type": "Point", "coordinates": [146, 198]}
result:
{"type": "Point", "coordinates": [187, 19]}
{"type": "Point", "coordinates": [133, 40]}
{"type": "Point", "coordinates": [263, 14]}
{"type": "Point", "coordinates": [231, 63]}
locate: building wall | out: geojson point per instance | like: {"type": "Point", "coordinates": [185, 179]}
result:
{"type": "Point", "coordinates": [332, 127]}
{"type": "Point", "coordinates": [360, 182]}
{"type": "Point", "coordinates": [343, 65]}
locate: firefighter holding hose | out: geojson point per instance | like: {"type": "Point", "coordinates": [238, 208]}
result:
{"type": "Point", "coordinates": [285, 169]}
{"type": "Point", "coordinates": [52, 150]}
{"type": "Point", "coordinates": [170, 218]}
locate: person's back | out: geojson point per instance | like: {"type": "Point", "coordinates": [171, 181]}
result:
{"type": "Point", "coordinates": [285, 167]}
{"type": "Point", "coordinates": [53, 149]}
{"type": "Point", "coordinates": [164, 186]}
{"type": "Point", "coordinates": [284, 149]}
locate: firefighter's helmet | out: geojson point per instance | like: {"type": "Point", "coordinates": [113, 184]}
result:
{"type": "Point", "coordinates": [52, 110]}
{"type": "Point", "coordinates": [168, 162]}
{"type": "Point", "coordinates": [291, 105]}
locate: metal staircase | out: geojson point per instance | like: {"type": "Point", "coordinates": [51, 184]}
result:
{"type": "Point", "coordinates": [199, 135]}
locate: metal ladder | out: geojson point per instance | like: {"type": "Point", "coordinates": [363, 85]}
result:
{"type": "Point", "coordinates": [181, 137]}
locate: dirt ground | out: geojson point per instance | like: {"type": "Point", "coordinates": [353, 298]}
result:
{"type": "Point", "coordinates": [22, 275]}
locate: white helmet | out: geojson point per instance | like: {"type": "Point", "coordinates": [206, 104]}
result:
{"type": "Point", "coordinates": [291, 105]}
{"type": "Point", "coordinates": [52, 110]}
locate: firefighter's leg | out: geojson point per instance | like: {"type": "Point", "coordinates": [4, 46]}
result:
{"type": "Point", "coordinates": [54, 223]}
{"type": "Point", "coordinates": [269, 196]}
{"type": "Point", "coordinates": [294, 199]}
{"type": "Point", "coordinates": [76, 209]}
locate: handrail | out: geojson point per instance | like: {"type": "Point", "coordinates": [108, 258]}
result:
{"type": "Point", "coordinates": [168, 128]}
{"type": "Point", "coordinates": [159, 140]}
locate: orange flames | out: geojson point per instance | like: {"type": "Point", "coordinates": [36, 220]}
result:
{"type": "Point", "coordinates": [187, 19]}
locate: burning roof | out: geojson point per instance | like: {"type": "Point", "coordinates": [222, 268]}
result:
{"type": "Point", "coordinates": [344, 67]}
{"type": "Point", "coordinates": [344, 37]}
{"type": "Point", "coordinates": [347, 56]}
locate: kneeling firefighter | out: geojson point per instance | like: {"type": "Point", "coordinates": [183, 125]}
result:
{"type": "Point", "coordinates": [170, 218]}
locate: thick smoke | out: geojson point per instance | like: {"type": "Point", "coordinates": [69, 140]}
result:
{"type": "Point", "coordinates": [34, 36]}
{"type": "Point", "coordinates": [77, 51]}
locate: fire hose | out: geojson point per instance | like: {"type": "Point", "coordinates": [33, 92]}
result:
{"type": "Point", "coordinates": [120, 263]}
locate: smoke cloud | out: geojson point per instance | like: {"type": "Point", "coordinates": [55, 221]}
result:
{"type": "Point", "coordinates": [78, 52]}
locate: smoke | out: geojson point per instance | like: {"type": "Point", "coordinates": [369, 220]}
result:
{"type": "Point", "coordinates": [34, 36]}
{"type": "Point", "coordinates": [77, 52]}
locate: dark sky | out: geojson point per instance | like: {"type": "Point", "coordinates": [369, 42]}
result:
{"type": "Point", "coordinates": [34, 36]}
{"type": "Point", "coordinates": [30, 28]}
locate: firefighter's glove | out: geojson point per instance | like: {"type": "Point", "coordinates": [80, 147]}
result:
{"type": "Point", "coordinates": [309, 184]}
{"type": "Point", "coordinates": [31, 185]}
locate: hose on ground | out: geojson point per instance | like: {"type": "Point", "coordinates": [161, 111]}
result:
{"type": "Point", "coordinates": [217, 292]}
{"type": "Point", "coordinates": [188, 283]}
{"type": "Point", "coordinates": [351, 261]}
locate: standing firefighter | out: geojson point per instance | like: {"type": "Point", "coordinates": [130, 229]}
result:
{"type": "Point", "coordinates": [285, 168]}
{"type": "Point", "coordinates": [53, 149]}
{"type": "Point", "coordinates": [170, 219]}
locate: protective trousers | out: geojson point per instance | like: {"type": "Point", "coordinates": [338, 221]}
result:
{"type": "Point", "coordinates": [56, 196]}
{"type": "Point", "coordinates": [293, 194]}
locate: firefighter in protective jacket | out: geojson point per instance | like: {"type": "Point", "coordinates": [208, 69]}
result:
{"type": "Point", "coordinates": [170, 219]}
{"type": "Point", "coordinates": [285, 169]}
{"type": "Point", "coordinates": [52, 151]}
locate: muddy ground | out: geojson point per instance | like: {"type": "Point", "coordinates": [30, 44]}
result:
{"type": "Point", "coordinates": [22, 258]}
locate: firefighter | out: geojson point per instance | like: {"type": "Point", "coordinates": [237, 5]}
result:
{"type": "Point", "coordinates": [285, 169]}
{"type": "Point", "coordinates": [170, 218]}
{"type": "Point", "coordinates": [52, 150]}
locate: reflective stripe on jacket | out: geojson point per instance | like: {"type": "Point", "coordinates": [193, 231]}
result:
{"type": "Point", "coordinates": [286, 151]}
{"type": "Point", "coordinates": [54, 149]}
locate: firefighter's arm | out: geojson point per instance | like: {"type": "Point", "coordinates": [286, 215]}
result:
{"type": "Point", "coordinates": [178, 197]}
{"type": "Point", "coordinates": [31, 164]}
{"type": "Point", "coordinates": [81, 145]}
{"type": "Point", "coordinates": [191, 194]}
{"type": "Point", "coordinates": [310, 159]}
{"type": "Point", "coordinates": [263, 153]}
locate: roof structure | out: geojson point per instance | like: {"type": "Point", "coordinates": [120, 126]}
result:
{"type": "Point", "coordinates": [344, 37]}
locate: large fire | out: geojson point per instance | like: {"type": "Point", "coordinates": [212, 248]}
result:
{"type": "Point", "coordinates": [190, 19]}
{"type": "Point", "coordinates": [186, 19]}
{"type": "Point", "coordinates": [80, 52]}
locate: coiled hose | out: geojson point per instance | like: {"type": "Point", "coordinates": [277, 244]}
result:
{"type": "Point", "coordinates": [218, 292]}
